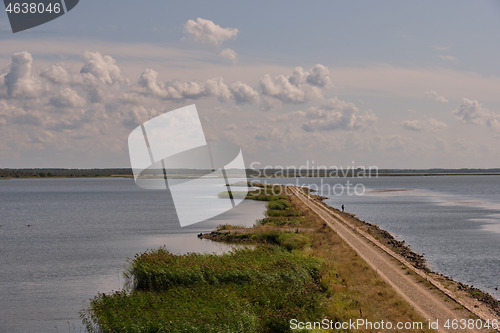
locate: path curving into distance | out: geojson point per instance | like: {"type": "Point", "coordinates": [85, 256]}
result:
{"type": "Point", "coordinates": [429, 303]}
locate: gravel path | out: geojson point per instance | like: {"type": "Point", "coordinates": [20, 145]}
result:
{"type": "Point", "coordinates": [429, 303]}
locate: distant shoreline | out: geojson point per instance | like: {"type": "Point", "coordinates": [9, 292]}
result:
{"type": "Point", "coordinates": [11, 173]}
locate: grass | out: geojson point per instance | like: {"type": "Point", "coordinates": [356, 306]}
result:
{"type": "Point", "coordinates": [248, 290]}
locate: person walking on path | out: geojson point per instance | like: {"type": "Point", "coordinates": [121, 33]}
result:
{"type": "Point", "coordinates": [342, 208]}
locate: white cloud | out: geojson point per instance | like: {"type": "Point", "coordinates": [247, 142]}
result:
{"type": "Point", "coordinates": [472, 112]}
{"type": "Point", "coordinates": [67, 98]}
{"type": "Point", "coordinates": [280, 88]}
{"type": "Point", "coordinates": [319, 76]}
{"type": "Point", "coordinates": [216, 87]}
{"type": "Point", "coordinates": [435, 96]}
{"type": "Point", "coordinates": [430, 124]}
{"type": "Point", "coordinates": [207, 32]}
{"type": "Point", "coordinates": [138, 115]}
{"type": "Point", "coordinates": [149, 81]}
{"type": "Point", "coordinates": [103, 68]}
{"type": "Point", "coordinates": [56, 74]}
{"type": "Point", "coordinates": [243, 93]}
{"type": "Point", "coordinates": [299, 87]}
{"type": "Point", "coordinates": [178, 90]}
{"type": "Point", "coordinates": [230, 55]}
{"type": "Point", "coordinates": [18, 79]}
{"type": "Point", "coordinates": [337, 114]}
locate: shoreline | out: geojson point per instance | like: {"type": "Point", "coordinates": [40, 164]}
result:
{"type": "Point", "coordinates": [47, 173]}
{"type": "Point", "coordinates": [418, 261]}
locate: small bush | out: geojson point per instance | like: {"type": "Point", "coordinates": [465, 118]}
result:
{"type": "Point", "coordinates": [285, 213]}
{"type": "Point", "coordinates": [279, 205]}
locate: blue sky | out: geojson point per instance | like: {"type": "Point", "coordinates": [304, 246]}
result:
{"type": "Point", "coordinates": [403, 84]}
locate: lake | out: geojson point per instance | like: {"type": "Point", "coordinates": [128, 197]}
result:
{"type": "Point", "coordinates": [81, 234]}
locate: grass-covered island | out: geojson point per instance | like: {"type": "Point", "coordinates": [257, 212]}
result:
{"type": "Point", "coordinates": [295, 267]}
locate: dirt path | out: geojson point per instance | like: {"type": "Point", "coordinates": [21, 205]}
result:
{"type": "Point", "coordinates": [431, 304]}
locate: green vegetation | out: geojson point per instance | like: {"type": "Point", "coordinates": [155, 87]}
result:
{"type": "Point", "coordinates": [248, 290]}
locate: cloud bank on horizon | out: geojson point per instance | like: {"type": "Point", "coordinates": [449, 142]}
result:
{"type": "Point", "coordinates": [78, 112]}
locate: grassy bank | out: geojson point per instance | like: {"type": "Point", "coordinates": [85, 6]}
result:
{"type": "Point", "coordinates": [297, 269]}
{"type": "Point", "coordinates": [248, 290]}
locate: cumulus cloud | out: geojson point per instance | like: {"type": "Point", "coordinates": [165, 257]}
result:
{"type": "Point", "coordinates": [149, 81]}
{"type": "Point", "coordinates": [319, 76]}
{"type": "Point", "coordinates": [299, 87]}
{"type": "Point", "coordinates": [435, 96]}
{"type": "Point", "coordinates": [102, 68]}
{"type": "Point", "coordinates": [57, 99]}
{"type": "Point", "coordinates": [282, 89]}
{"type": "Point", "coordinates": [67, 98]}
{"type": "Point", "coordinates": [178, 90]}
{"type": "Point", "coordinates": [243, 93]}
{"type": "Point", "coordinates": [230, 55]}
{"type": "Point", "coordinates": [56, 74]}
{"type": "Point", "coordinates": [18, 79]}
{"type": "Point", "coordinates": [430, 124]}
{"type": "Point", "coordinates": [471, 111]}
{"type": "Point", "coordinates": [76, 107]}
{"type": "Point", "coordinates": [216, 87]}
{"type": "Point", "coordinates": [60, 98]}
{"type": "Point", "coordinates": [337, 114]}
{"type": "Point", "coordinates": [207, 32]}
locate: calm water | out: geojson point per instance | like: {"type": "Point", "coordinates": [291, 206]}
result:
{"type": "Point", "coordinates": [81, 233]}
{"type": "Point", "coordinates": [453, 220]}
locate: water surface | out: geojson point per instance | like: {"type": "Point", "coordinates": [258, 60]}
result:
{"type": "Point", "coordinates": [64, 240]}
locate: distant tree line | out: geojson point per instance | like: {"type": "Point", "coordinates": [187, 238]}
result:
{"type": "Point", "coordinates": [251, 173]}
{"type": "Point", "coordinates": [77, 173]}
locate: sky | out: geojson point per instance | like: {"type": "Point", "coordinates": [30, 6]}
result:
{"type": "Point", "coordinates": [391, 84]}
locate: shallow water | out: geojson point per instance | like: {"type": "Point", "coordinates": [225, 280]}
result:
{"type": "Point", "coordinates": [81, 233]}
{"type": "Point", "coordinates": [453, 220]}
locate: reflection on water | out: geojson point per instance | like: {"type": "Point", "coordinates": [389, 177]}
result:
{"type": "Point", "coordinates": [184, 243]}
